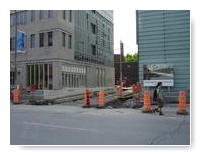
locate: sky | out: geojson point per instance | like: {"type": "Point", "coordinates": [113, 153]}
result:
{"type": "Point", "coordinates": [125, 30]}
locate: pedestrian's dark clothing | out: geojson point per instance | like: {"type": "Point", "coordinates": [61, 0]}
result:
{"type": "Point", "coordinates": [160, 98]}
{"type": "Point", "coordinates": [160, 103]}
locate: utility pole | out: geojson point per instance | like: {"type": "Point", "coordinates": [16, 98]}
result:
{"type": "Point", "coordinates": [15, 61]}
{"type": "Point", "coordinates": [121, 60]}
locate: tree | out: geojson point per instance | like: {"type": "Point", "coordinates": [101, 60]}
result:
{"type": "Point", "coordinates": [131, 58]}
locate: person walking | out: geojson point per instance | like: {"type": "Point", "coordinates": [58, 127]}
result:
{"type": "Point", "coordinates": [159, 98]}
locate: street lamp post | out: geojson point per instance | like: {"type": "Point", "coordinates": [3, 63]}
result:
{"type": "Point", "coordinates": [121, 60]}
{"type": "Point", "coordinates": [15, 60]}
{"type": "Point", "coordinates": [120, 75]}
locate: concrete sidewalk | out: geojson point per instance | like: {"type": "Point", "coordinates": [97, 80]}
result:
{"type": "Point", "coordinates": [169, 110]}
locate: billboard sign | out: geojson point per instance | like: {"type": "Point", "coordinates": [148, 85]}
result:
{"type": "Point", "coordinates": [155, 73]}
{"type": "Point", "coordinates": [21, 42]}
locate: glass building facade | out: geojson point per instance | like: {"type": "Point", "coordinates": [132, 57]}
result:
{"type": "Point", "coordinates": [163, 36]}
{"type": "Point", "coordinates": [93, 38]}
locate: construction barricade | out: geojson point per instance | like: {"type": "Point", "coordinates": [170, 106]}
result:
{"type": "Point", "coordinates": [101, 100]}
{"type": "Point", "coordinates": [16, 96]}
{"type": "Point", "coordinates": [119, 91]}
{"type": "Point", "coordinates": [136, 88]}
{"type": "Point", "coordinates": [86, 99]}
{"type": "Point", "coordinates": [182, 103]}
{"type": "Point", "coordinates": [147, 102]}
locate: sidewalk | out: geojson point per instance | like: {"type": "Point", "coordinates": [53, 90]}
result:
{"type": "Point", "coordinates": [168, 110]}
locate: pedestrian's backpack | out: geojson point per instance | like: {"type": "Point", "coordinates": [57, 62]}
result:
{"type": "Point", "coordinates": [155, 95]}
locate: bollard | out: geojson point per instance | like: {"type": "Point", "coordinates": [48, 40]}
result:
{"type": "Point", "coordinates": [119, 91]}
{"type": "Point", "coordinates": [182, 103]}
{"type": "Point", "coordinates": [101, 100]}
{"type": "Point", "coordinates": [86, 99]}
{"type": "Point", "coordinates": [15, 96]}
{"type": "Point", "coordinates": [147, 102]}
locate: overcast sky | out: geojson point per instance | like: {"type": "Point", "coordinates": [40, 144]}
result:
{"type": "Point", "coordinates": [125, 30]}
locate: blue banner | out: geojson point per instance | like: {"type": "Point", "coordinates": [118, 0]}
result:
{"type": "Point", "coordinates": [20, 41]}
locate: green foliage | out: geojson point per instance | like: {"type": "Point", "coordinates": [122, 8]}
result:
{"type": "Point", "coordinates": [131, 58]}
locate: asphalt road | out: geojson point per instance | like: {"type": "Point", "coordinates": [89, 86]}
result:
{"type": "Point", "coordinates": [72, 125]}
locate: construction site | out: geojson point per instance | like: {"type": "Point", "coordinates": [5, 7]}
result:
{"type": "Point", "coordinates": [109, 117]}
{"type": "Point", "coordinates": [127, 97]}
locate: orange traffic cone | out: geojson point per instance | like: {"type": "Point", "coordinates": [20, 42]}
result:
{"type": "Point", "coordinates": [101, 100]}
{"type": "Point", "coordinates": [16, 96]}
{"type": "Point", "coordinates": [86, 99]}
{"type": "Point", "coordinates": [182, 103]}
{"type": "Point", "coordinates": [147, 102]}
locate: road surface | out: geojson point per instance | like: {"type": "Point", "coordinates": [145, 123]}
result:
{"type": "Point", "coordinates": [73, 125]}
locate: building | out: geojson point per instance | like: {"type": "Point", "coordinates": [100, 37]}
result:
{"type": "Point", "coordinates": [63, 49]}
{"type": "Point", "coordinates": [163, 37]}
{"type": "Point", "coordinates": [129, 71]}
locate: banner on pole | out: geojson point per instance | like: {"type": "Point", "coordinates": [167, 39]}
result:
{"type": "Point", "coordinates": [21, 42]}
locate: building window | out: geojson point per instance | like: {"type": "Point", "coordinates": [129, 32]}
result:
{"type": "Point", "coordinates": [63, 80]}
{"type": "Point", "coordinates": [50, 38]}
{"type": "Point", "coordinates": [32, 43]}
{"type": "Point", "coordinates": [50, 13]}
{"type": "Point", "coordinates": [64, 14]}
{"type": "Point", "coordinates": [21, 18]}
{"type": "Point", "coordinates": [69, 41]}
{"type": "Point", "coordinates": [33, 14]}
{"type": "Point", "coordinates": [25, 17]}
{"type": "Point", "coordinates": [93, 49]}
{"type": "Point", "coordinates": [73, 76]}
{"type": "Point", "coordinates": [40, 75]}
{"type": "Point", "coordinates": [81, 46]}
{"type": "Point", "coordinates": [108, 34]}
{"type": "Point", "coordinates": [18, 18]}
{"type": "Point", "coordinates": [50, 77]}
{"type": "Point", "coordinates": [12, 44]}
{"type": "Point", "coordinates": [72, 80]}
{"type": "Point", "coordinates": [46, 76]}
{"type": "Point", "coordinates": [41, 14]}
{"type": "Point", "coordinates": [70, 15]}
{"type": "Point", "coordinates": [41, 39]}
{"type": "Point", "coordinates": [41, 79]}
{"type": "Point", "coordinates": [63, 39]}
{"type": "Point", "coordinates": [12, 20]}
{"type": "Point", "coordinates": [93, 28]}
{"type": "Point", "coordinates": [12, 77]}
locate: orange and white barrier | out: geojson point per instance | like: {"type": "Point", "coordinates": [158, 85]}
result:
{"type": "Point", "coordinates": [182, 103]}
{"type": "Point", "coordinates": [147, 102]}
{"type": "Point", "coordinates": [101, 100]}
{"type": "Point", "coordinates": [86, 99]}
{"type": "Point", "coordinates": [15, 96]}
{"type": "Point", "coordinates": [119, 91]}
